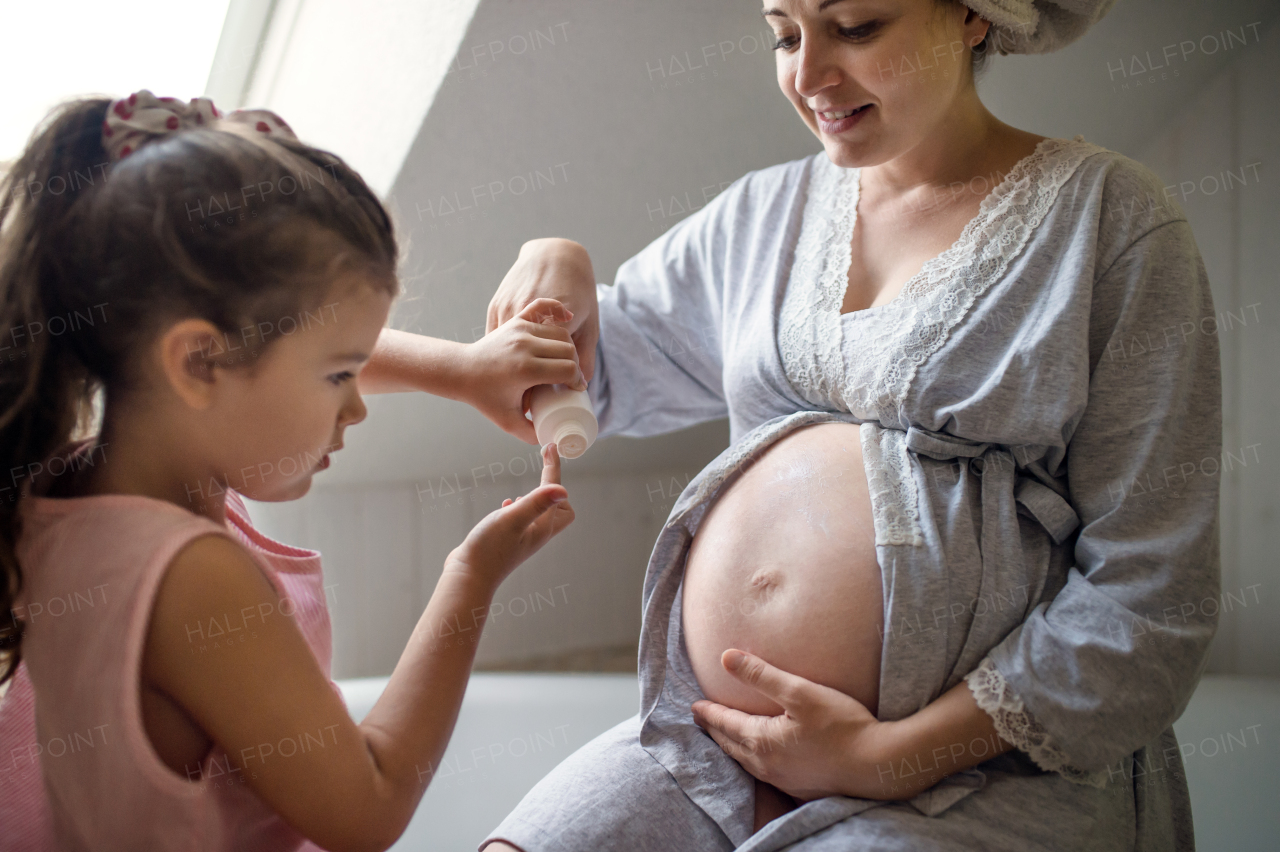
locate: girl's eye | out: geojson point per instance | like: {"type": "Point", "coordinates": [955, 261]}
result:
{"type": "Point", "coordinates": [339, 378]}
{"type": "Point", "coordinates": [785, 43]}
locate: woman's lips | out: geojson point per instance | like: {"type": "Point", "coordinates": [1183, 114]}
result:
{"type": "Point", "coordinates": [840, 125]}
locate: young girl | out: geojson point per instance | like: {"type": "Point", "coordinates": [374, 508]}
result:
{"type": "Point", "coordinates": [221, 285]}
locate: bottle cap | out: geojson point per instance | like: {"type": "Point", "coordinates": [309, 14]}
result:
{"type": "Point", "coordinates": [571, 440]}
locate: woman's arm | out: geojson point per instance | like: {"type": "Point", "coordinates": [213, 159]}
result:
{"type": "Point", "coordinates": [650, 344]}
{"type": "Point", "coordinates": [826, 743]}
{"type": "Point", "coordinates": [552, 268]}
{"type": "Point", "coordinates": [1105, 667]}
{"type": "Point", "coordinates": [1112, 660]}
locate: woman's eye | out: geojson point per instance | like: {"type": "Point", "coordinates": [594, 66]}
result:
{"type": "Point", "coordinates": [858, 33]}
{"type": "Point", "coordinates": [339, 378]}
{"type": "Point", "coordinates": [861, 31]}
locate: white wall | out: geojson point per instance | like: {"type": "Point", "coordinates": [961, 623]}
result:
{"type": "Point", "coordinates": [604, 102]}
{"type": "Point", "coordinates": [384, 545]}
{"type": "Point", "coordinates": [570, 91]}
{"type": "Point", "coordinates": [1234, 125]}
{"type": "Point", "coordinates": [355, 78]}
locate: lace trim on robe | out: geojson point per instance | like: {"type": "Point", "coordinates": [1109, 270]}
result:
{"type": "Point", "coordinates": [892, 486]}
{"type": "Point", "coordinates": [1015, 725]}
{"type": "Point", "coordinates": [871, 380]}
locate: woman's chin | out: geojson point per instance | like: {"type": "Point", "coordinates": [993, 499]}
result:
{"type": "Point", "coordinates": [864, 146]}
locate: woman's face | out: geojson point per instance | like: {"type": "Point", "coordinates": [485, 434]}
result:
{"type": "Point", "coordinates": [873, 78]}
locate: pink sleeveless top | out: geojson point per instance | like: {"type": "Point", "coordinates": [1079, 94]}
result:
{"type": "Point", "coordinates": [76, 768]}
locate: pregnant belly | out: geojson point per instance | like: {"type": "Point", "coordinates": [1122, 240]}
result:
{"type": "Point", "coordinates": [784, 567]}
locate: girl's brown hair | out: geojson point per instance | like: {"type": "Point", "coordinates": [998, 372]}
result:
{"type": "Point", "coordinates": [226, 225]}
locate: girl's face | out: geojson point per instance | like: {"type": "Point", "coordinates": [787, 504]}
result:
{"type": "Point", "coordinates": [873, 78]}
{"type": "Point", "coordinates": [279, 420]}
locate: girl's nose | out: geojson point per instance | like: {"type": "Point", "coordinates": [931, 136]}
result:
{"type": "Point", "coordinates": [354, 410]}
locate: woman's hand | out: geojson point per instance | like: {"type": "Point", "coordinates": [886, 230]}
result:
{"type": "Point", "coordinates": [508, 536]}
{"type": "Point", "coordinates": [828, 744]}
{"type": "Point", "coordinates": [555, 269]}
{"type": "Point", "coordinates": [824, 743]}
{"type": "Point", "coordinates": [532, 348]}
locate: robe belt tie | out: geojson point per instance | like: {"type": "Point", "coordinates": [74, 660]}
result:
{"type": "Point", "coordinates": [1040, 501]}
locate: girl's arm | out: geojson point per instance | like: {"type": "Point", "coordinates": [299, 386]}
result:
{"type": "Point", "coordinates": [264, 700]}
{"type": "Point", "coordinates": [493, 374]}
{"type": "Point", "coordinates": [403, 361]}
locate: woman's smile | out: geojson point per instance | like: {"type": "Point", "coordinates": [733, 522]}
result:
{"type": "Point", "coordinates": [838, 121]}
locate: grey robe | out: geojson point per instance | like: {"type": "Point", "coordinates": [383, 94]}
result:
{"type": "Point", "coordinates": [1040, 414]}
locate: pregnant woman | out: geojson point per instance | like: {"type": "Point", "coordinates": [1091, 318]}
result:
{"type": "Point", "coordinates": [939, 592]}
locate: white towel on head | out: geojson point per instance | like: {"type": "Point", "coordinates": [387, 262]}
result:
{"type": "Point", "coordinates": [1037, 26]}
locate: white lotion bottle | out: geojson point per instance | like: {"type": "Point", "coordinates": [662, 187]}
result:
{"type": "Point", "coordinates": [564, 416]}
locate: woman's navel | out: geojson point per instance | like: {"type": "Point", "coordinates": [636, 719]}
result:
{"type": "Point", "coordinates": [765, 582]}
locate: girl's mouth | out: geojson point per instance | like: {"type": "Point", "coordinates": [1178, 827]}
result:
{"type": "Point", "coordinates": [838, 121]}
{"type": "Point", "coordinates": [324, 461]}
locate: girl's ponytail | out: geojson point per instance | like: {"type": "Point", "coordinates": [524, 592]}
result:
{"type": "Point", "coordinates": [45, 387]}
{"type": "Point", "coordinates": [219, 221]}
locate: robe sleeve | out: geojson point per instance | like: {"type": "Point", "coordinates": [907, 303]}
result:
{"type": "Point", "coordinates": [659, 365]}
{"type": "Point", "coordinates": [1109, 664]}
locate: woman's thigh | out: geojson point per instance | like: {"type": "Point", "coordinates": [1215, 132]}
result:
{"type": "Point", "coordinates": [610, 794]}
{"type": "Point", "coordinates": [1018, 809]}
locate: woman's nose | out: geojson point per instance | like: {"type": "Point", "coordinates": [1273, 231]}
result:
{"type": "Point", "coordinates": [815, 69]}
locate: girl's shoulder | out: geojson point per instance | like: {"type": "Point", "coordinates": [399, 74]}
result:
{"type": "Point", "coordinates": [74, 538]}
{"type": "Point", "coordinates": [121, 542]}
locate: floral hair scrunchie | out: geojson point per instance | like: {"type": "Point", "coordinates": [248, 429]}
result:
{"type": "Point", "coordinates": [142, 117]}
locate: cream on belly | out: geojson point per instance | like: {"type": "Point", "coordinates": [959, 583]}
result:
{"type": "Point", "coordinates": [784, 567]}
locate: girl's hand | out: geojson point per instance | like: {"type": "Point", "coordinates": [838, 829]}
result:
{"type": "Point", "coordinates": [508, 536]}
{"type": "Point", "coordinates": [557, 269]}
{"type": "Point", "coordinates": [532, 348]}
{"type": "Point", "coordinates": [824, 743]}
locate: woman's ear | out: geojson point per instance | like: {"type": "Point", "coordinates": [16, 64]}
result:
{"type": "Point", "coordinates": [975, 28]}
{"type": "Point", "coordinates": [188, 352]}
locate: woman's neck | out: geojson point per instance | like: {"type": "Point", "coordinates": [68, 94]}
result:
{"type": "Point", "coordinates": [968, 140]}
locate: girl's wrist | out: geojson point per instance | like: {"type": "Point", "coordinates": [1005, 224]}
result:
{"type": "Point", "coordinates": [467, 578]}
{"type": "Point", "coordinates": [446, 368]}
{"type": "Point", "coordinates": [461, 372]}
